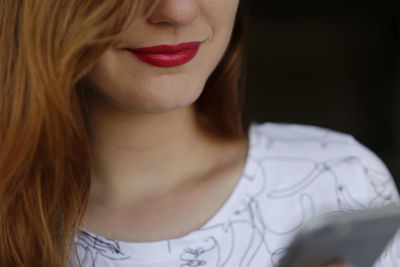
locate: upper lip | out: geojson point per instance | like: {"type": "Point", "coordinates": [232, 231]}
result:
{"type": "Point", "coordinates": [159, 49]}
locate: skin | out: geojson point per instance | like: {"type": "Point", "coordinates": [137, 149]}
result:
{"type": "Point", "coordinates": [152, 160]}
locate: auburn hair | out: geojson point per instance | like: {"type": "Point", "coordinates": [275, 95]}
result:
{"type": "Point", "coordinates": [47, 48]}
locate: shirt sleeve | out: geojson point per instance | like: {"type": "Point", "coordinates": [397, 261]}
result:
{"type": "Point", "coordinates": [383, 192]}
{"type": "Point", "coordinates": [382, 188]}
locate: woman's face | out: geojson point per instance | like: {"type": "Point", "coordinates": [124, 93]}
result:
{"type": "Point", "coordinates": [164, 76]}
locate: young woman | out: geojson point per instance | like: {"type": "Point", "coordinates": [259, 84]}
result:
{"type": "Point", "coordinates": [121, 142]}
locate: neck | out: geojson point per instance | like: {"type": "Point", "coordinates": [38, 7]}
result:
{"type": "Point", "coordinates": [138, 156]}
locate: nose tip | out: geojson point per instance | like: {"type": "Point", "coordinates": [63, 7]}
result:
{"type": "Point", "coordinates": [175, 12]}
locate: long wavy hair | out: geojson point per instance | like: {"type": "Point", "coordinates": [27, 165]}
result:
{"type": "Point", "coordinates": [47, 48]}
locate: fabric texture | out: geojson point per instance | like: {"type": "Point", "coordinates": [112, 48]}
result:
{"type": "Point", "coordinates": [292, 173]}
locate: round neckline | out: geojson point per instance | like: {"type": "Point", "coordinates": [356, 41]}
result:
{"type": "Point", "coordinates": [161, 247]}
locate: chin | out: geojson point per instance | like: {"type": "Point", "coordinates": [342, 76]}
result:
{"type": "Point", "coordinates": [167, 100]}
{"type": "Point", "coordinates": [153, 95]}
{"type": "Point", "coordinates": [156, 104]}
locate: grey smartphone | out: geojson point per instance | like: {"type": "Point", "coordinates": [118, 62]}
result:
{"type": "Point", "coordinates": [357, 238]}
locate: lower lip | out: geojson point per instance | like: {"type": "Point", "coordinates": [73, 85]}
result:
{"type": "Point", "coordinates": [168, 60]}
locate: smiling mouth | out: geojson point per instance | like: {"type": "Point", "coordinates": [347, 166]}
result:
{"type": "Point", "coordinates": [167, 56]}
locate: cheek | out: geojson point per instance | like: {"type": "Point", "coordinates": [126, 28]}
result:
{"type": "Point", "coordinates": [221, 16]}
{"type": "Point", "coordinates": [220, 13]}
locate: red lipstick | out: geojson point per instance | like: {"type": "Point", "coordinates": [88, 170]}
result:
{"type": "Point", "coordinates": [167, 56]}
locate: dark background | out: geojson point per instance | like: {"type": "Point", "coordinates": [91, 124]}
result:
{"type": "Point", "coordinates": [333, 64]}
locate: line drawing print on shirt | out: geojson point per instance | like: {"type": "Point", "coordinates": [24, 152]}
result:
{"type": "Point", "coordinates": [285, 182]}
{"type": "Point", "coordinates": [95, 246]}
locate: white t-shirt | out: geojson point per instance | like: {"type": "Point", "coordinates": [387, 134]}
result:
{"type": "Point", "coordinates": [292, 172]}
